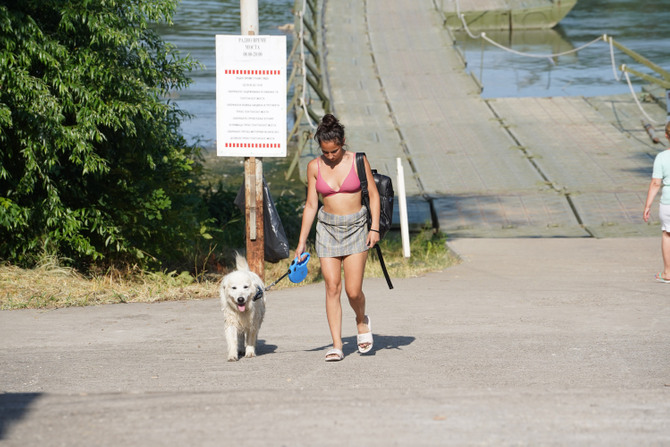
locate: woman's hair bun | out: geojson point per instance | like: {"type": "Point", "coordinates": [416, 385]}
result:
{"type": "Point", "coordinates": [329, 120]}
{"type": "Point", "coordinates": [330, 129]}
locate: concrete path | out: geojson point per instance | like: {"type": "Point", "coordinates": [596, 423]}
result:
{"type": "Point", "coordinates": [527, 342]}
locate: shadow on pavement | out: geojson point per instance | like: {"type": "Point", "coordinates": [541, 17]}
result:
{"type": "Point", "coordinates": [264, 348]}
{"type": "Point", "coordinates": [13, 407]}
{"type": "Point", "coordinates": [380, 342]}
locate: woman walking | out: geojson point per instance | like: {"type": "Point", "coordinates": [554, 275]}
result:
{"type": "Point", "coordinates": [342, 236]}
{"type": "Point", "coordinates": [660, 178]}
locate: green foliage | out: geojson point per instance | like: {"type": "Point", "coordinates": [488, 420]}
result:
{"type": "Point", "coordinates": [93, 167]}
{"type": "Point", "coordinates": [228, 218]}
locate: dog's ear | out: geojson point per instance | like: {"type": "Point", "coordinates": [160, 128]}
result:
{"type": "Point", "coordinates": [256, 280]}
{"type": "Point", "coordinates": [223, 291]}
{"type": "Point", "coordinates": [225, 282]}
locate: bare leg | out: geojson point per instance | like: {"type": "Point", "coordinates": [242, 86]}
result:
{"type": "Point", "coordinates": [665, 250]}
{"type": "Point", "coordinates": [331, 269]}
{"type": "Point", "coordinates": [354, 270]}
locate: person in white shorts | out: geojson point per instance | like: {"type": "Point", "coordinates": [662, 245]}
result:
{"type": "Point", "coordinates": [660, 179]}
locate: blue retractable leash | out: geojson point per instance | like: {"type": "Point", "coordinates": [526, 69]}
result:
{"type": "Point", "coordinates": [296, 273]}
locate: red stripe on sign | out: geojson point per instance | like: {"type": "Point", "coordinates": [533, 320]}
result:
{"type": "Point", "coordinates": [253, 145]}
{"type": "Point", "coordinates": [253, 72]}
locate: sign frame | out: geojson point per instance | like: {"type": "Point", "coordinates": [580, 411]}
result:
{"type": "Point", "coordinates": [251, 96]}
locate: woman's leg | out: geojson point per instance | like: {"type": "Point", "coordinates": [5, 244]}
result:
{"type": "Point", "coordinates": [354, 270]}
{"type": "Point", "coordinates": [665, 250]}
{"type": "Point", "coordinates": [331, 269]}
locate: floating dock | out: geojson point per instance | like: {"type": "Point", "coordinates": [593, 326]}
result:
{"type": "Point", "coordinates": [504, 14]}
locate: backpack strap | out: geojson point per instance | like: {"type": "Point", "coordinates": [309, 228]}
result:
{"type": "Point", "coordinates": [365, 197]}
{"type": "Point", "coordinates": [383, 265]}
{"type": "Point", "coordinates": [360, 167]}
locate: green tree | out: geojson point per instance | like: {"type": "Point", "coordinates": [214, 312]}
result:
{"type": "Point", "coordinates": [93, 167]}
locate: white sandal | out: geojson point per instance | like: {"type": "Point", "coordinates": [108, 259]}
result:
{"type": "Point", "coordinates": [365, 338]}
{"type": "Point", "coordinates": [334, 355]}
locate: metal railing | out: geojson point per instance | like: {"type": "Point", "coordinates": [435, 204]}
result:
{"type": "Point", "coordinates": [309, 100]}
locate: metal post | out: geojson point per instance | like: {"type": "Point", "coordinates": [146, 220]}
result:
{"type": "Point", "coordinates": [253, 169]}
{"type": "Point", "coordinates": [402, 210]}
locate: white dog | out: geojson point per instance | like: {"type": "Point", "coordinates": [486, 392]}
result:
{"type": "Point", "coordinates": [243, 315]}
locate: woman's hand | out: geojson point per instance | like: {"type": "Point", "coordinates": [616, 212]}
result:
{"type": "Point", "coordinates": [373, 238]}
{"type": "Point", "coordinates": [299, 250]}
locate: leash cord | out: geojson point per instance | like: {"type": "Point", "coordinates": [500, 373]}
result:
{"type": "Point", "coordinates": [260, 292]}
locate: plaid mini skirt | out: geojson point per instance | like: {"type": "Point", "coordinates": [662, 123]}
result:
{"type": "Point", "coordinates": [341, 235]}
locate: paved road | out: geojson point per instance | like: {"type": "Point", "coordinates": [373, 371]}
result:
{"type": "Point", "coordinates": [527, 342]}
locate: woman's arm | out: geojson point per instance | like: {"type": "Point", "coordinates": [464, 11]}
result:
{"type": "Point", "coordinates": [654, 186]}
{"type": "Point", "coordinates": [311, 207]}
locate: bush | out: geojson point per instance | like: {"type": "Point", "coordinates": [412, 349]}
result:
{"type": "Point", "coordinates": [93, 168]}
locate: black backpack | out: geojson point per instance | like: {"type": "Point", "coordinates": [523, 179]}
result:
{"type": "Point", "coordinates": [385, 188]}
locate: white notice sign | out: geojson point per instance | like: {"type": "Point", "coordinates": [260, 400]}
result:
{"type": "Point", "coordinates": [251, 96]}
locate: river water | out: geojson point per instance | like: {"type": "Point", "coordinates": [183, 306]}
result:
{"type": "Point", "coordinates": [643, 26]}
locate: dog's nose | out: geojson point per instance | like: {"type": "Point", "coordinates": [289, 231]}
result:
{"type": "Point", "coordinates": [240, 300]}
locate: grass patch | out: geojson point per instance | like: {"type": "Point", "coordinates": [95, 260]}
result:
{"type": "Point", "coordinates": [51, 286]}
{"type": "Point", "coordinates": [429, 253]}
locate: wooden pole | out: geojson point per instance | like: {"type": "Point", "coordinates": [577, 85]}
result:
{"type": "Point", "coordinates": [253, 193]}
{"type": "Point", "coordinates": [253, 169]}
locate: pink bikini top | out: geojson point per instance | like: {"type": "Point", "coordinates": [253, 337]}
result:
{"type": "Point", "coordinates": [349, 185]}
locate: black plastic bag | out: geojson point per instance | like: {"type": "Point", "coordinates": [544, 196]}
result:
{"type": "Point", "coordinates": [275, 240]}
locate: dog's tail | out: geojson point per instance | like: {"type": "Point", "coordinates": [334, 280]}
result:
{"type": "Point", "coordinates": [241, 262]}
